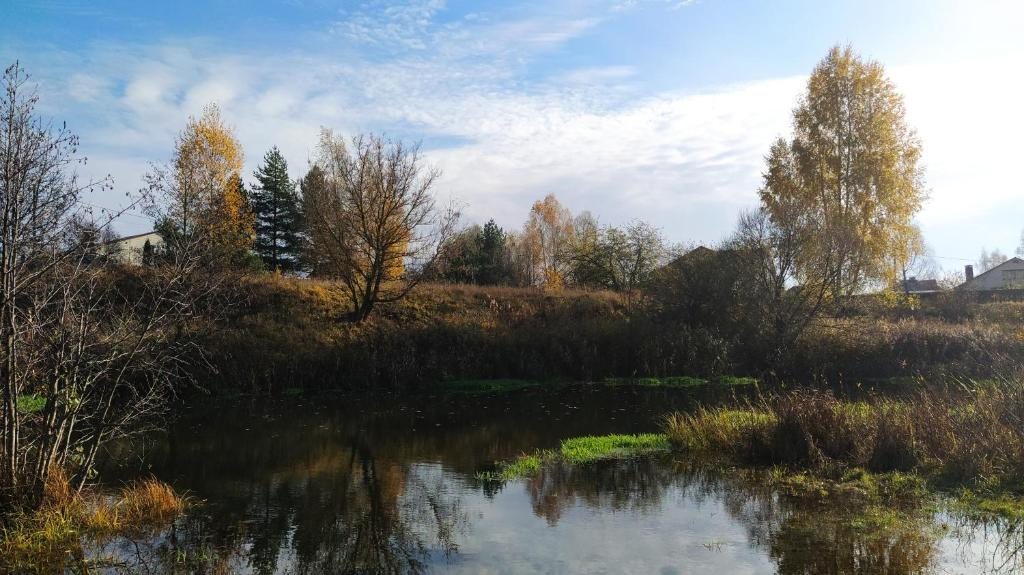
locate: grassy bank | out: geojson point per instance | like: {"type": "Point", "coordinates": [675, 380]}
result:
{"type": "Point", "coordinates": [967, 440]}
{"type": "Point", "coordinates": [51, 538]}
{"type": "Point", "coordinates": [473, 386]}
{"type": "Point", "coordinates": [290, 333]}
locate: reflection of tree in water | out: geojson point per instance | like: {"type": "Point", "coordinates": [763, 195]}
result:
{"type": "Point", "coordinates": [333, 512]}
{"type": "Point", "coordinates": [831, 535]}
{"type": "Point", "coordinates": [635, 484]}
{"type": "Point", "coordinates": [995, 544]}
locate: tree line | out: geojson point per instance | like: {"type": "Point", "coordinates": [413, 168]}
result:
{"type": "Point", "coordinates": [365, 214]}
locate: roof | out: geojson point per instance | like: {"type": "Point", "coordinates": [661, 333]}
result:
{"type": "Point", "coordinates": [914, 285]}
{"type": "Point", "coordinates": [1013, 260]}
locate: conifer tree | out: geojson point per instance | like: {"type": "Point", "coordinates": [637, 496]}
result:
{"type": "Point", "coordinates": [278, 214]}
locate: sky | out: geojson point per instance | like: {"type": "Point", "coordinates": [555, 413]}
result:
{"type": "Point", "coordinates": [661, 110]}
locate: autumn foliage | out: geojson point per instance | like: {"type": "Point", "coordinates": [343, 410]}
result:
{"type": "Point", "coordinates": [200, 198]}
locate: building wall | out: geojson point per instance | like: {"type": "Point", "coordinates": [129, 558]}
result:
{"type": "Point", "coordinates": [1008, 275]}
{"type": "Point", "coordinates": [129, 250]}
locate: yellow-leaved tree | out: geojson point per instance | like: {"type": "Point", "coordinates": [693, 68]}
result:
{"type": "Point", "coordinates": [547, 237]}
{"type": "Point", "coordinates": [200, 199]}
{"type": "Point", "coordinates": [852, 171]}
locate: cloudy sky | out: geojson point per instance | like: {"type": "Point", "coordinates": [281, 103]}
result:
{"type": "Point", "coordinates": [653, 109]}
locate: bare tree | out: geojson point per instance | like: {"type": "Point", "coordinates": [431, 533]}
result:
{"type": "Point", "coordinates": [768, 258]}
{"type": "Point", "coordinates": [375, 221]}
{"type": "Point", "coordinates": [88, 351]}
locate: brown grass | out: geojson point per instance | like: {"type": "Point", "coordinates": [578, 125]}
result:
{"type": "Point", "coordinates": [148, 502]}
{"type": "Point", "coordinates": [293, 333]}
{"type": "Point", "coordinates": [951, 436]}
{"type": "Point", "coordinates": [49, 540]}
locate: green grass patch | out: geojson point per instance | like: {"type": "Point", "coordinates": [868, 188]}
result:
{"type": "Point", "coordinates": [579, 450]}
{"type": "Point", "coordinates": [33, 403]}
{"type": "Point", "coordinates": [490, 385]}
{"type": "Point", "coordinates": [683, 381]}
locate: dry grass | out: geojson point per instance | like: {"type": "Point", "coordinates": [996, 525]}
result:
{"type": "Point", "coordinates": [49, 539]}
{"type": "Point", "coordinates": [292, 333]}
{"type": "Point", "coordinates": [148, 502]}
{"type": "Point", "coordinates": [974, 436]}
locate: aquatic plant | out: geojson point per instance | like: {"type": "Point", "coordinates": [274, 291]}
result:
{"type": "Point", "coordinates": [951, 437]}
{"type": "Point", "coordinates": [49, 539]}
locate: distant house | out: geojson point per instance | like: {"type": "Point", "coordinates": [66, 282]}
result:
{"type": "Point", "coordinates": [914, 286]}
{"type": "Point", "coordinates": [1008, 275]}
{"type": "Point", "coordinates": [131, 249]}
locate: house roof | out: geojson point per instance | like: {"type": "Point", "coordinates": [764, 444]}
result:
{"type": "Point", "coordinates": [1014, 260]}
{"type": "Point", "coordinates": [914, 285]}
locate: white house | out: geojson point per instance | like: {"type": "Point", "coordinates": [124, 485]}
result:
{"type": "Point", "coordinates": [130, 249]}
{"type": "Point", "coordinates": [1007, 275]}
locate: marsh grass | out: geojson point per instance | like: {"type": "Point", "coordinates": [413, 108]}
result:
{"type": "Point", "coordinates": [969, 436]}
{"type": "Point", "coordinates": [49, 539]}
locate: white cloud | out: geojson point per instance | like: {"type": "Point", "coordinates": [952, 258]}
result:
{"type": "Point", "coordinates": [601, 74]}
{"type": "Point", "coordinates": [685, 161]}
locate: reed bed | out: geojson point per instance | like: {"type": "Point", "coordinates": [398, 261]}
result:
{"type": "Point", "coordinates": [952, 436]}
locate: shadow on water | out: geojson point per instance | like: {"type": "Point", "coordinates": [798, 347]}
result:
{"type": "Point", "coordinates": [350, 486]}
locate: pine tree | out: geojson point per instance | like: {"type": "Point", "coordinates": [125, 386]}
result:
{"type": "Point", "coordinates": [278, 214]}
{"type": "Point", "coordinates": [491, 250]}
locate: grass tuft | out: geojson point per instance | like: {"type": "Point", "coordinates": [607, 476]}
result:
{"type": "Point", "coordinates": [50, 539]}
{"type": "Point", "coordinates": [580, 450]}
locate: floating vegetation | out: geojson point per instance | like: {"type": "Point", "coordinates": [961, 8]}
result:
{"type": "Point", "coordinates": [580, 451]}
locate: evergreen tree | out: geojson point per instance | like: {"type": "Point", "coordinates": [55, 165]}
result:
{"type": "Point", "coordinates": [312, 258]}
{"type": "Point", "coordinates": [491, 251]}
{"type": "Point", "coordinates": [278, 214]}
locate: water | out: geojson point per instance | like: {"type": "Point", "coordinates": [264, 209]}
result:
{"type": "Point", "coordinates": [334, 486]}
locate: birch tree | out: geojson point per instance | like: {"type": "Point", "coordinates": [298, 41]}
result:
{"type": "Point", "coordinates": [852, 165]}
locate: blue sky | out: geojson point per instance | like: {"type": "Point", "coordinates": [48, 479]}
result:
{"type": "Point", "coordinates": [653, 109]}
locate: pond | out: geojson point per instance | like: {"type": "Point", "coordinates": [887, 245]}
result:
{"type": "Point", "coordinates": [393, 486]}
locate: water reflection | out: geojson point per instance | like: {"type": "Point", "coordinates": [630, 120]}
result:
{"type": "Point", "coordinates": [356, 488]}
